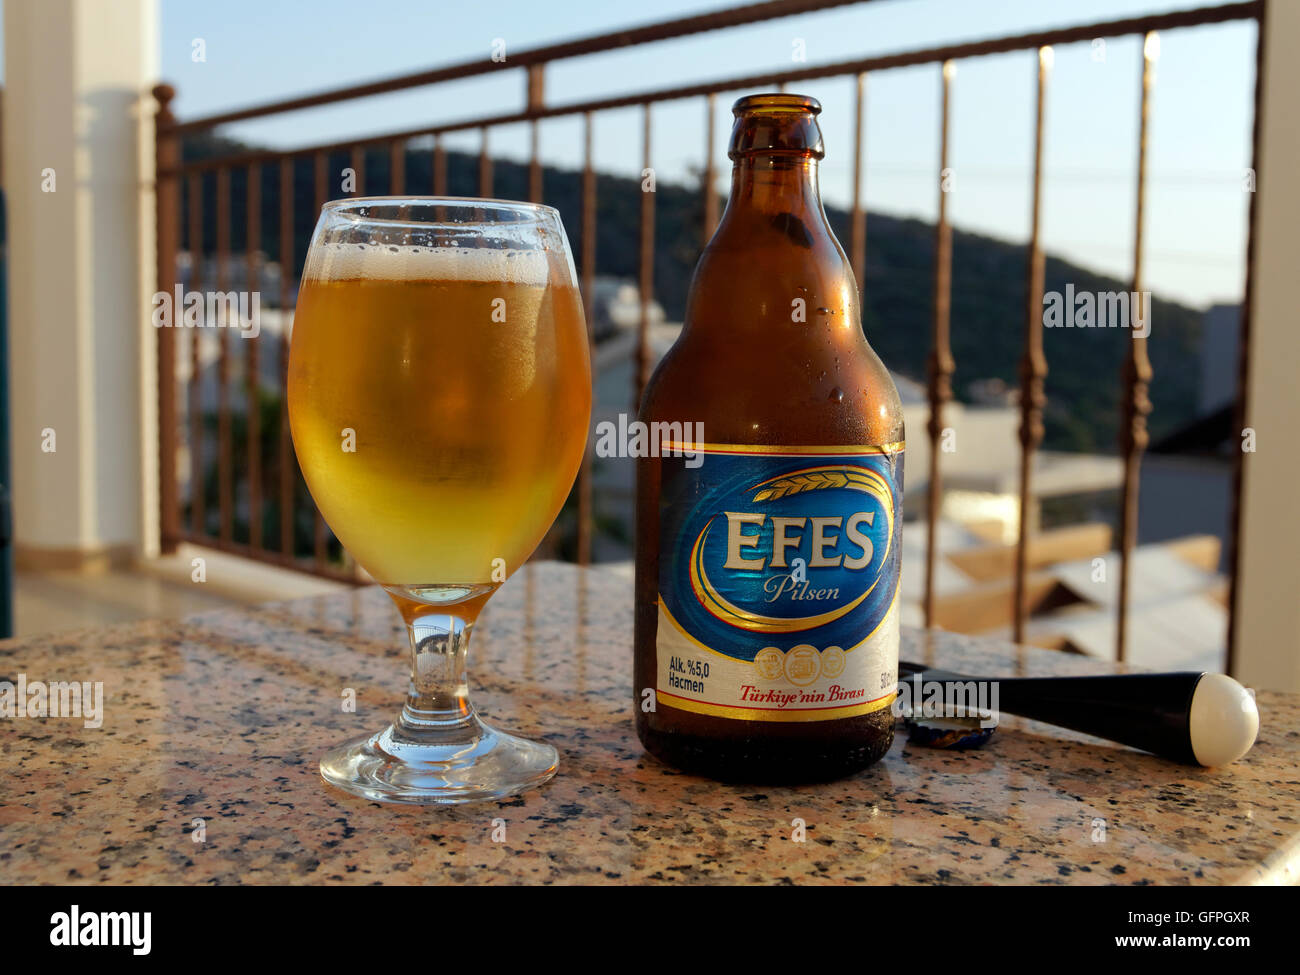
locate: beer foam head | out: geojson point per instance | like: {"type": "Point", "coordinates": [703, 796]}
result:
{"type": "Point", "coordinates": [389, 262]}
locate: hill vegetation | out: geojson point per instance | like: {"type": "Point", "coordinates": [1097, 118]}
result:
{"type": "Point", "coordinates": [988, 284]}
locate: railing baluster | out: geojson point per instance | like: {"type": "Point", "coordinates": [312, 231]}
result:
{"type": "Point", "coordinates": [318, 540]}
{"type": "Point", "coordinates": [588, 259]}
{"type": "Point", "coordinates": [535, 164]}
{"type": "Point", "coordinates": [439, 167]}
{"type": "Point", "coordinates": [198, 485]}
{"type": "Point", "coordinates": [357, 160]}
{"type": "Point", "coordinates": [397, 167]}
{"type": "Point", "coordinates": [166, 227]}
{"type": "Point", "coordinates": [940, 360]}
{"type": "Point", "coordinates": [484, 166]}
{"type": "Point", "coordinates": [225, 485]}
{"type": "Point", "coordinates": [319, 172]}
{"type": "Point", "coordinates": [536, 102]}
{"type": "Point", "coordinates": [646, 277]}
{"type": "Point", "coordinates": [710, 171]}
{"type": "Point", "coordinates": [1137, 366]}
{"type": "Point", "coordinates": [1033, 364]}
{"type": "Point", "coordinates": [858, 225]}
{"type": "Point", "coordinates": [252, 380]}
{"type": "Point", "coordinates": [285, 457]}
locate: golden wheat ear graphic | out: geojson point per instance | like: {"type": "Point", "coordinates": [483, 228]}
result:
{"type": "Point", "coordinates": [819, 480]}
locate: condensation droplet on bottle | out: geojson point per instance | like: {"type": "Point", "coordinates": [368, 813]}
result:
{"type": "Point", "coordinates": [836, 395]}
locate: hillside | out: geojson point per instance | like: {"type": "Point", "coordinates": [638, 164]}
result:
{"type": "Point", "coordinates": [988, 281]}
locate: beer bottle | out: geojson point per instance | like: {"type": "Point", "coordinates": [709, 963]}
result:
{"type": "Point", "coordinates": [769, 523]}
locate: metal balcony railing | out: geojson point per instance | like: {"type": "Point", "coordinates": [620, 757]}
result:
{"type": "Point", "coordinates": [176, 177]}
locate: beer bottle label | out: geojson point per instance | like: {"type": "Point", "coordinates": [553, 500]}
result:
{"type": "Point", "coordinates": [778, 580]}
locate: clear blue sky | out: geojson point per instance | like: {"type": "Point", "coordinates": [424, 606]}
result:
{"type": "Point", "coordinates": [265, 49]}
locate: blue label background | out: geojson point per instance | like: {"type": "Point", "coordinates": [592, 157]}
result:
{"type": "Point", "coordinates": [690, 497]}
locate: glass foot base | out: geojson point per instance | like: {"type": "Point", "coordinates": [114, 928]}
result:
{"type": "Point", "coordinates": [414, 766]}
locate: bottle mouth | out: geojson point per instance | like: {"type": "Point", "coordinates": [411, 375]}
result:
{"type": "Point", "coordinates": [776, 124]}
{"type": "Point", "coordinates": [776, 103]}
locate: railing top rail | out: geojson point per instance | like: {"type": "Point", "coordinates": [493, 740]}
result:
{"type": "Point", "coordinates": [629, 37]}
{"type": "Point", "coordinates": [969, 49]}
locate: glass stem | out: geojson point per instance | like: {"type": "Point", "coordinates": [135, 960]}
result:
{"type": "Point", "coordinates": [438, 695]}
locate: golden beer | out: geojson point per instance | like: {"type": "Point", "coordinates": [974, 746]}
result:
{"type": "Point", "coordinates": [439, 414]}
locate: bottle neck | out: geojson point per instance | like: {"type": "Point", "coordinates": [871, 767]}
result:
{"type": "Point", "coordinates": [766, 187]}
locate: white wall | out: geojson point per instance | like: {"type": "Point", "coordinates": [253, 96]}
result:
{"type": "Point", "coordinates": [76, 101]}
{"type": "Point", "coordinates": [1268, 604]}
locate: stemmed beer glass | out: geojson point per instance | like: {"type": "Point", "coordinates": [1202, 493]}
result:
{"type": "Point", "coordinates": [439, 398]}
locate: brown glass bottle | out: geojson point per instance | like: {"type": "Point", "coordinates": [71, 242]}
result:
{"type": "Point", "coordinates": [772, 357]}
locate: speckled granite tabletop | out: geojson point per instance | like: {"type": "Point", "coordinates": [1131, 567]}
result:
{"type": "Point", "coordinates": [204, 770]}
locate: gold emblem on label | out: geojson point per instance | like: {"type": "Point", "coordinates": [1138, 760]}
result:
{"type": "Point", "coordinates": [832, 661]}
{"type": "Point", "coordinates": [770, 663]}
{"type": "Point", "coordinates": [802, 665]}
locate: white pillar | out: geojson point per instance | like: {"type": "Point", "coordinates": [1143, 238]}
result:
{"type": "Point", "coordinates": [78, 172]}
{"type": "Point", "coordinates": [1268, 605]}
